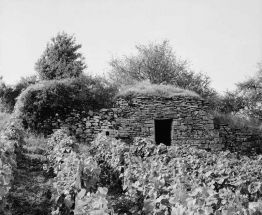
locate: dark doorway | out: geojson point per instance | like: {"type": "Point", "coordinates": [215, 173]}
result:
{"type": "Point", "coordinates": [163, 131]}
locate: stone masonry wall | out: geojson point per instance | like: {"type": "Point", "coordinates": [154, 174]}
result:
{"type": "Point", "coordinates": [238, 140]}
{"type": "Point", "coordinates": [85, 125]}
{"type": "Point", "coordinates": [192, 124]}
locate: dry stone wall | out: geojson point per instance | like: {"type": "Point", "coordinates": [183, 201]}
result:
{"type": "Point", "coordinates": [191, 123]}
{"type": "Point", "coordinates": [237, 140]}
{"type": "Point", "coordinates": [85, 125]}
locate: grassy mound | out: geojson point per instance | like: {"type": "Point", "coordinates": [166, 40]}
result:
{"type": "Point", "coordinates": [145, 88]}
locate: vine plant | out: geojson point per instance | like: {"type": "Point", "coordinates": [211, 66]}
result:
{"type": "Point", "coordinates": [11, 139]}
{"type": "Point", "coordinates": [176, 180]}
{"type": "Point", "coordinates": [76, 175]}
{"type": "Point", "coordinates": [183, 180]}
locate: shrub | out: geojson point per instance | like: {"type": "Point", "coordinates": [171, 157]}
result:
{"type": "Point", "coordinates": [44, 100]}
{"type": "Point", "coordinates": [7, 98]}
{"type": "Point", "coordinates": [9, 93]}
{"type": "Point", "coordinates": [237, 122]}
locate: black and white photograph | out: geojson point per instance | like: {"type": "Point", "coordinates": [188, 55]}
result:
{"type": "Point", "coordinates": [130, 107]}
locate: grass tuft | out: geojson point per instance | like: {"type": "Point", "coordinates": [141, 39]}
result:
{"type": "Point", "coordinates": [145, 88]}
{"type": "Point", "coordinates": [35, 143]}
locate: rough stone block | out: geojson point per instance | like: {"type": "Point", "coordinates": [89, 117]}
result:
{"type": "Point", "coordinates": [79, 131]}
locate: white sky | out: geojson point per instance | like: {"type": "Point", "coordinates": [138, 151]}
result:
{"type": "Point", "coordinates": [222, 38]}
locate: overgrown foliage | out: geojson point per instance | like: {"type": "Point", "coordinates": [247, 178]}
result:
{"type": "Point", "coordinates": [61, 59]}
{"type": "Point", "coordinates": [237, 121]}
{"type": "Point", "coordinates": [155, 179]}
{"type": "Point", "coordinates": [145, 88]}
{"type": "Point", "coordinates": [77, 173]}
{"type": "Point", "coordinates": [30, 190]}
{"type": "Point", "coordinates": [158, 63]}
{"type": "Point", "coordinates": [11, 139]}
{"type": "Point", "coordinates": [251, 92]}
{"type": "Point", "coordinates": [47, 98]}
{"type": "Point", "coordinates": [4, 118]}
{"type": "Point", "coordinates": [9, 93]}
{"type": "Point", "coordinates": [183, 179]}
{"type": "Point", "coordinates": [231, 102]}
{"type": "Point", "coordinates": [245, 101]}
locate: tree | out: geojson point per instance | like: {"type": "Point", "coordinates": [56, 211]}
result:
{"type": "Point", "coordinates": [158, 63]}
{"type": "Point", "coordinates": [61, 59]}
{"type": "Point", "coordinates": [251, 91]}
{"type": "Point", "coordinates": [231, 103]}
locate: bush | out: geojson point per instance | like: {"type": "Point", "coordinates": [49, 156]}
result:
{"type": "Point", "coordinates": [7, 98]}
{"type": "Point", "coordinates": [237, 122]}
{"type": "Point", "coordinates": [9, 93]}
{"type": "Point", "coordinates": [46, 99]}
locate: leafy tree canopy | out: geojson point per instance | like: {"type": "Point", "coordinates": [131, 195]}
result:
{"type": "Point", "coordinates": [231, 102]}
{"type": "Point", "coordinates": [158, 63]}
{"type": "Point", "coordinates": [61, 59]}
{"type": "Point", "coordinates": [251, 91]}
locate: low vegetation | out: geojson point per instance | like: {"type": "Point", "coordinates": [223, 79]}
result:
{"type": "Point", "coordinates": [150, 179]}
{"type": "Point", "coordinates": [4, 118]}
{"type": "Point", "coordinates": [237, 122]}
{"type": "Point", "coordinates": [145, 88]}
{"type": "Point", "coordinates": [10, 147]}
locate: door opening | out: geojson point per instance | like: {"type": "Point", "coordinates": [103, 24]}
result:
{"type": "Point", "coordinates": [163, 131]}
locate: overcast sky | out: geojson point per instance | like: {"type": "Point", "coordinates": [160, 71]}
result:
{"type": "Point", "coordinates": [222, 38]}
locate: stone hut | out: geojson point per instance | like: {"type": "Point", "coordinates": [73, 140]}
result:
{"type": "Point", "coordinates": [169, 115]}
